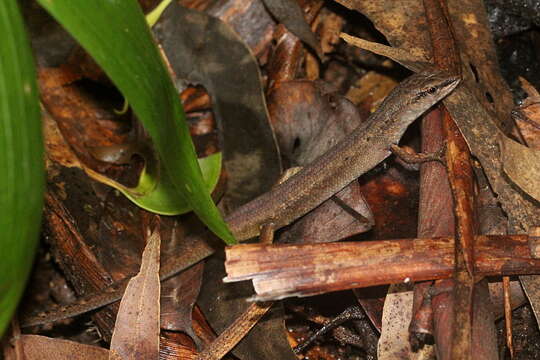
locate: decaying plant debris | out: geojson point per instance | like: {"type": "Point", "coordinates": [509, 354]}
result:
{"type": "Point", "coordinates": [273, 89]}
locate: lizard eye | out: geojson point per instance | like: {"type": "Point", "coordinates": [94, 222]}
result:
{"type": "Point", "coordinates": [431, 90]}
{"type": "Point", "coordinates": [419, 96]}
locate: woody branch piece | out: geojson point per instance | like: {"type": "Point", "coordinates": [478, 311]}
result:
{"type": "Point", "coordinates": [460, 177]}
{"type": "Point", "coordinates": [280, 271]}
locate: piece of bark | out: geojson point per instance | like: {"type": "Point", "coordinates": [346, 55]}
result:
{"type": "Point", "coordinates": [484, 333]}
{"type": "Point", "coordinates": [421, 324]}
{"type": "Point", "coordinates": [169, 349]}
{"type": "Point", "coordinates": [435, 218]}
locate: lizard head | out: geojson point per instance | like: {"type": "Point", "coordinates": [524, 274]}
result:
{"type": "Point", "coordinates": [416, 94]}
{"type": "Point", "coordinates": [427, 88]}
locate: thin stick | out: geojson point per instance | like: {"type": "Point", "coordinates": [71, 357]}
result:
{"type": "Point", "coordinates": [508, 315]}
{"type": "Point", "coordinates": [229, 338]}
{"type": "Point", "coordinates": [353, 312]}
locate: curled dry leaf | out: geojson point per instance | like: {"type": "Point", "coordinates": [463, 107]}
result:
{"type": "Point", "coordinates": [309, 118]}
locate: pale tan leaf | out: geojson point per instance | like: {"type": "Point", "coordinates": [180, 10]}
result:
{"type": "Point", "coordinates": [399, 55]}
{"type": "Point", "coordinates": [394, 340]}
{"type": "Point", "coordinates": [45, 348]}
{"type": "Point", "coordinates": [522, 165]}
{"type": "Point", "coordinates": [136, 332]}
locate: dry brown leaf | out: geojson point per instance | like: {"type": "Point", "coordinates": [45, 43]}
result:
{"type": "Point", "coordinates": [522, 165]}
{"type": "Point", "coordinates": [399, 55]}
{"type": "Point", "coordinates": [178, 298]}
{"type": "Point", "coordinates": [345, 214]}
{"type": "Point", "coordinates": [136, 333]}
{"type": "Point", "coordinates": [370, 89]}
{"type": "Point", "coordinates": [290, 14]}
{"type": "Point", "coordinates": [527, 116]}
{"type": "Point", "coordinates": [309, 118]}
{"type": "Point", "coordinates": [204, 50]}
{"type": "Point", "coordinates": [45, 348]}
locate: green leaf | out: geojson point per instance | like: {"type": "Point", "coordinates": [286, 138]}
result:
{"type": "Point", "coordinates": [22, 176]}
{"type": "Point", "coordinates": [115, 33]}
{"type": "Point", "coordinates": [155, 191]}
{"type": "Point", "coordinates": [154, 15]}
{"type": "Point", "coordinates": [161, 199]}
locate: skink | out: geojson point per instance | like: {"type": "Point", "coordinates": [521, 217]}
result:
{"type": "Point", "coordinates": [358, 153]}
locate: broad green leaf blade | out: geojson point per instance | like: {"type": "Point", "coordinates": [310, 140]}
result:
{"type": "Point", "coordinates": [22, 175]}
{"type": "Point", "coordinates": [115, 33]}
